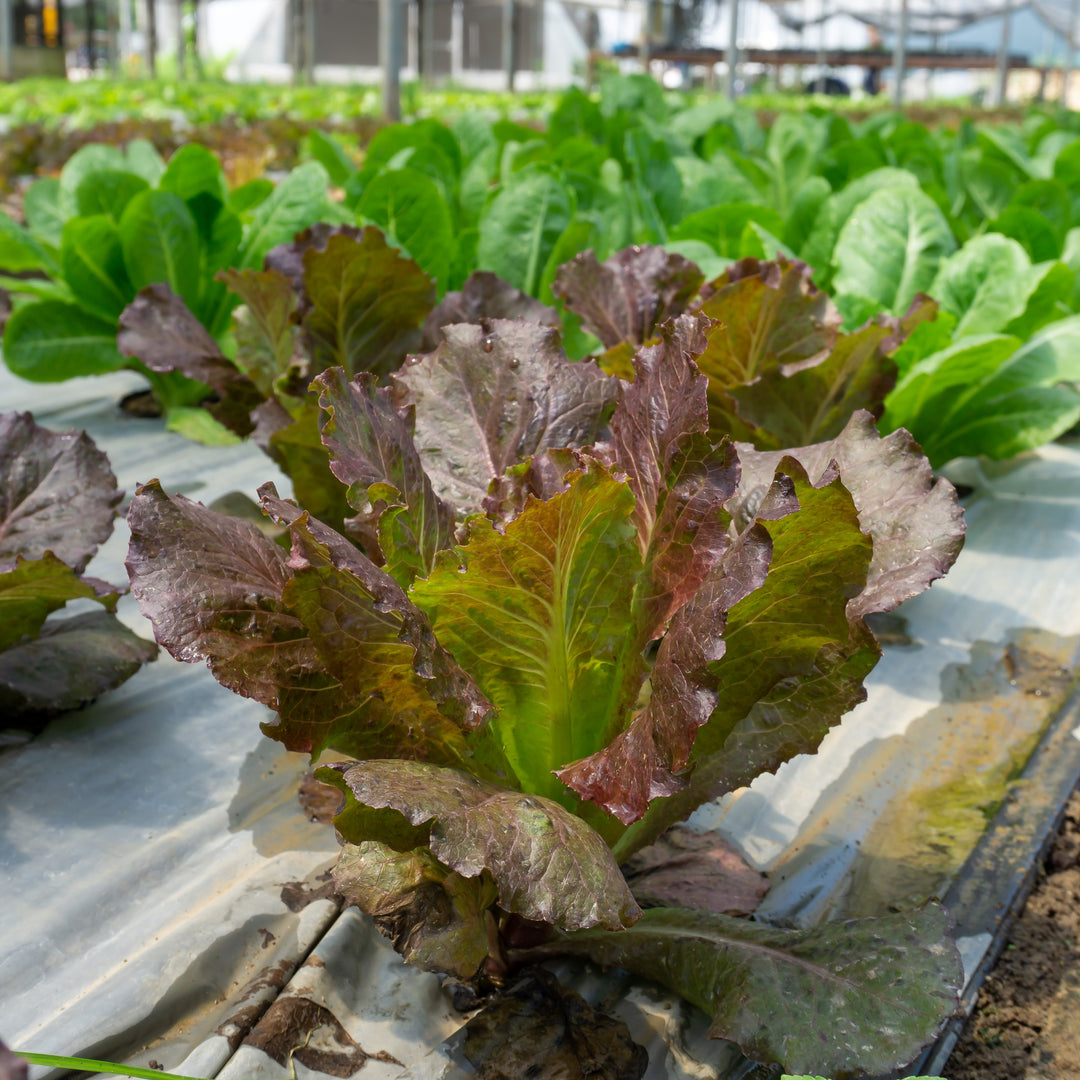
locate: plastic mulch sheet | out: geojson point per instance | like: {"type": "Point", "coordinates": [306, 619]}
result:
{"type": "Point", "coordinates": [165, 898]}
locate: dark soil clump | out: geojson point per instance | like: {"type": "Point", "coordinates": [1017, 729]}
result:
{"type": "Point", "coordinates": [1026, 1025]}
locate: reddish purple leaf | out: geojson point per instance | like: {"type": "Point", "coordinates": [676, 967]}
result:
{"type": "Point", "coordinates": [627, 298]}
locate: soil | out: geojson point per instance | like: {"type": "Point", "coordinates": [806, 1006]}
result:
{"type": "Point", "coordinates": [1026, 1024]}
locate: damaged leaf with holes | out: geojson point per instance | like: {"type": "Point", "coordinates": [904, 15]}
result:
{"type": "Point", "coordinates": [536, 684]}
{"type": "Point", "coordinates": [58, 500]}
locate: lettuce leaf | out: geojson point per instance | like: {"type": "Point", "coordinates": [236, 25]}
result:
{"type": "Point", "coordinates": [59, 493]}
{"type": "Point", "coordinates": [547, 864]}
{"type": "Point", "coordinates": [887, 984]}
{"type": "Point", "coordinates": [484, 296]}
{"type": "Point", "coordinates": [626, 299]}
{"type": "Point", "coordinates": [372, 452]}
{"type": "Point", "coordinates": [492, 395]}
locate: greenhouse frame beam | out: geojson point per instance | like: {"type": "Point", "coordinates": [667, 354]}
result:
{"type": "Point", "coordinates": [123, 36]}
{"type": "Point", "coordinates": [509, 42]}
{"type": "Point", "coordinates": [5, 42]}
{"type": "Point", "coordinates": [391, 43]}
{"type": "Point", "coordinates": [1001, 81]}
{"type": "Point", "coordinates": [307, 11]}
{"type": "Point", "coordinates": [1070, 52]}
{"type": "Point", "coordinates": [181, 45]}
{"type": "Point", "coordinates": [151, 37]}
{"type": "Point", "coordinates": [646, 36]}
{"type": "Point", "coordinates": [944, 61]}
{"type": "Point", "coordinates": [822, 54]}
{"type": "Point", "coordinates": [6, 54]}
{"type": "Point", "coordinates": [900, 67]}
{"type": "Point", "coordinates": [427, 42]}
{"type": "Point", "coordinates": [733, 49]}
{"type": "Point", "coordinates": [457, 40]}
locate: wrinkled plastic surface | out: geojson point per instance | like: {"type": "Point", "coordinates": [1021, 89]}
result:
{"type": "Point", "coordinates": [162, 883]}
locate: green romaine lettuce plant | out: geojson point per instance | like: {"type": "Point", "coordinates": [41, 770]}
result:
{"type": "Point", "coordinates": [57, 504]}
{"type": "Point", "coordinates": [118, 221]}
{"type": "Point", "coordinates": [641, 620]}
{"type": "Point", "coordinates": [990, 393]}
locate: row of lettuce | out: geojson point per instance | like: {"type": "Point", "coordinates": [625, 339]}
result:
{"type": "Point", "coordinates": [591, 508]}
{"type": "Point", "coordinates": [983, 220]}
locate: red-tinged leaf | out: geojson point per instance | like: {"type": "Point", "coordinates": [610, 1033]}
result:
{"type": "Point", "coordinates": [434, 916]}
{"type": "Point", "coordinates": [680, 483]}
{"type": "Point", "coordinates": [348, 605]}
{"type": "Point", "coordinates": [658, 413]}
{"type": "Point", "coordinates": [157, 329]}
{"type": "Point", "coordinates": [288, 259]}
{"type": "Point", "coordinates": [485, 296]}
{"type": "Point", "coordinates": [541, 477]}
{"type": "Point", "coordinates": [212, 587]}
{"type": "Point", "coordinates": [853, 998]}
{"type": "Point", "coordinates": [769, 315]}
{"type": "Point", "coordinates": [31, 589]}
{"type": "Point", "coordinates": [72, 662]}
{"type": "Point", "coordinates": [547, 864]}
{"type": "Point", "coordinates": [540, 615]}
{"type": "Point", "coordinates": [628, 297]}
{"type": "Point", "coordinates": [703, 871]}
{"type": "Point", "coordinates": [372, 452]}
{"type": "Point", "coordinates": [794, 659]}
{"type": "Point", "coordinates": [57, 493]}
{"type": "Point", "coordinates": [366, 304]}
{"type": "Point", "coordinates": [295, 443]}
{"type": "Point", "coordinates": [266, 327]}
{"type": "Point", "coordinates": [812, 404]}
{"type": "Point", "coordinates": [642, 763]}
{"type": "Point", "coordinates": [493, 395]}
{"type": "Point", "coordinates": [916, 522]}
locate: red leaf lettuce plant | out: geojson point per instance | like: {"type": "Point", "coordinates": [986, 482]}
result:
{"type": "Point", "coordinates": [58, 500]}
{"type": "Point", "coordinates": [569, 617]}
{"type": "Point", "coordinates": [336, 296]}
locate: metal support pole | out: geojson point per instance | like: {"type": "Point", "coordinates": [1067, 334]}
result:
{"type": "Point", "coordinates": [296, 40]}
{"type": "Point", "coordinates": [819, 82]}
{"type": "Point", "coordinates": [732, 49]}
{"type": "Point", "coordinates": [900, 55]}
{"type": "Point", "coordinates": [90, 11]}
{"type": "Point", "coordinates": [112, 36]}
{"type": "Point", "coordinates": [427, 41]}
{"type": "Point", "coordinates": [1070, 52]}
{"type": "Point", "coordinates": [412, 37]}
{"type": "Point", "coordinates": [457, 40]}
{"type": "Point", "coordinates": [181, 44]}
{"type": "Point", "coordinates": [646, 36]}
{"type": "Point", "coordinates": [151, 38]}
{"type": "Point", "coordinates": [196, 38]}
{"type": "Point", "coordinates": [935, 46]}
{"type": "Point", "coordinates": [391, 34]}
{"type": "Point", "coordinates": [124, 36]}
{"type": "Point", "coordinates": [308, 13]}
{"type": "Point", "coordinates": [509, 42]}
{"type": "Point", "coordinates": [6, 55]}
{"type": "Point", "coordinates": [1003, 56]}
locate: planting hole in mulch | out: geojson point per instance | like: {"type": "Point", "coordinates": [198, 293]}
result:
{"type": "Point", "coordinates": [1026, 1025]}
